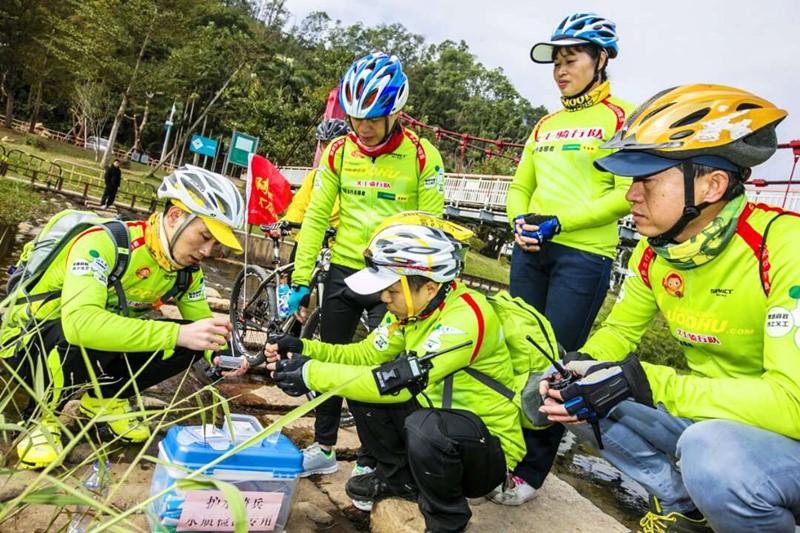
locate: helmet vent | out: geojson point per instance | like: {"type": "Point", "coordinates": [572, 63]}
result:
{"type": "Point", "coordinates": [651, 114]}
{"type": "Point", "coordinates": [680, 135]}
{"type": "Point", "coordinates": [691, 118]}
{"type": "Point", "coordinates": [745, 106]}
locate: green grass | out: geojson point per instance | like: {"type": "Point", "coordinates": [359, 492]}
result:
{"type": "Point", "coordinates": [51, 149]}
{"type": "Point", "coordinates": [19, 202]}
{"type": "Point", "coordinates": [485, 267]}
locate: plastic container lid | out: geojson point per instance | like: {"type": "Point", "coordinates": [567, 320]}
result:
{"type": "Point", "coordinates": [188, 446]}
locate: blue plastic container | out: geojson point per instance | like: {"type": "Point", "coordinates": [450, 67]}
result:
{"type": "Point", "coordinates": [270, 466]}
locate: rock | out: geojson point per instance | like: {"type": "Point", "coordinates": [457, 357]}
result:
{"type": "Point", "coordinates": [211, 292]}
{"type": "Point", "coordinates": [333, 485]}
{"type": "Point", "coordinates": [25, 228]}
{"type": "Point", "coordinates": [258, 395]}
{"type": "Point", "coordinates": [170, 312]}
{"type": "Point", "coordinates": [555, 499]}
{"type": "Point", "coordinates": [301, 432]}
{"type": "Point", "coordinates": [314, 513]}
{"type": "Point", "coordinates": [219, 304]}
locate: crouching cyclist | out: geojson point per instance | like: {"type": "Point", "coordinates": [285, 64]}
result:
{"type": "Point", "coordinates": [722, 449]}
{"type": "Point", "coordinates": [71, 311]}
{"type": "Point", "coordinates": [463, 436]}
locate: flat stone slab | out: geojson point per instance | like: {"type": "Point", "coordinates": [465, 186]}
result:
{"type": "Point", "coordinates": [557, 508]}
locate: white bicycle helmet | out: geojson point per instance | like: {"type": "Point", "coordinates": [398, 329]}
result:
{"type": "Point", "coordinates": [421, 248]}
{"type": "Point", "coordinates": [211, 196]}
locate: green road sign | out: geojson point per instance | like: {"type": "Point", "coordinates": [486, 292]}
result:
{"type": "Point", "coordinates": [242, 145]}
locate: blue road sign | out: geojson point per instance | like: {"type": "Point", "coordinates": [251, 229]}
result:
{"type": "Point", "coordinates": [203, 145]}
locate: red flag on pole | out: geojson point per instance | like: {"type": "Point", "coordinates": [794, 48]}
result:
{"type": "Point", "coordinates": [268, 192]}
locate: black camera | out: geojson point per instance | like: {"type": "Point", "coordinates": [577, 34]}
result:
{"type": "Point", "coordinates": [408, 371]}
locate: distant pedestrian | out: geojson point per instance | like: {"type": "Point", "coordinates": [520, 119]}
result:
{"type": "Point", "coordinates": [112, 177]}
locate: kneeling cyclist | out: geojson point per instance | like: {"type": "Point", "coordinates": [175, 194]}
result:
{"type": "Point", "coordinates": [462, 436]}
{"type": "Point", "coordinates": [71, 318]}
{"type": "Point", "coordinates": [722, 449]}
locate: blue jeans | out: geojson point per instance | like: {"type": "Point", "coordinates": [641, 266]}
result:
{"type": "Point", "coordinates": [741, 478]}
{"type": "Point", "coordinates": [565, 284]}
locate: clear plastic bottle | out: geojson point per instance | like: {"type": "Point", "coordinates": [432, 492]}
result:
{"type": "Point", "coordinates": [97, 483]}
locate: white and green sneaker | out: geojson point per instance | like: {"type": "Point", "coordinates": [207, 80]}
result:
{"type": "Point", "coordinates": [359, 470]}
{"type": "Point", "coordinates": [318, 461]}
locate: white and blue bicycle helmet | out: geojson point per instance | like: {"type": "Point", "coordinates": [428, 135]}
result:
{"type": "Point", "coordinates": [374, 86]}
{"type": "Point", "coordinates": [576, 30]}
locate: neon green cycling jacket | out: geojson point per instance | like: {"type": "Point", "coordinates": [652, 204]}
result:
{"type": "Point", "coordinates": [87, 306]}
{"type": "Point", "coordinates": [369, 189]}
{"type": "Point", "coordinates": [556, 176]}
{"type": "Point", "coordinates": [465, 315]}
{"type": "Point", "coordinates": [740, 336]}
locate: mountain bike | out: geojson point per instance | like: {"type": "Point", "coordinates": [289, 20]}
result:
{"type": "Point", "coordinates": [256, 298]}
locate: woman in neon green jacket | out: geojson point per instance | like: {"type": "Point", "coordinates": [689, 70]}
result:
{"type": "Point", "coordinates": [563, 210]}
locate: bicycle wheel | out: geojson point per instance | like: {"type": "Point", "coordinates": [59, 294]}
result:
{"type": "Point", "coordinates": [253, 308]}
{"type": "Point", "coordinates": [310, 328]}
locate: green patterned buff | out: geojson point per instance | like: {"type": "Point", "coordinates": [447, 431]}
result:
{"type": "Point", "coordinates": [707, 244]}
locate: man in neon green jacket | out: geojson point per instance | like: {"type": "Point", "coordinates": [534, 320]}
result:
{"type": "Point", "coordinates": [82, 315]}
{"type": "Point", "coordinates": [725, 275]}
{"type": "Point", "coordinates": [462, 436]}
{"type": "Point", "coordinates": [376, 171]}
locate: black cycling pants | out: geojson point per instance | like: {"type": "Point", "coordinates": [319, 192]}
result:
{"type": "Point", "coordinates": [341, 312]}
{"type": "Point", "coordinates": [448, 453]}
{"type": "Point", "coordinates": [111, 368]}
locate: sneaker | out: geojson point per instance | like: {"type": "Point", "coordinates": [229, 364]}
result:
{"type": "Point", "coordinates": [123, 422]}
{"type": "Point", "coordinates": [655, 521]}
{"type": "Point", "coordinates": [318, 461]}
{"type": "Point", "coordinates": [514, 491]}
{"type": "Point", "coordinates": [360, 470]}
{"type": "Point", "coordinates": [41, 446]}
{"type": "Point", "coordinates": [367, 489]}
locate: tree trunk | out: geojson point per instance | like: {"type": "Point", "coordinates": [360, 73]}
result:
{"type": "Point", "coordinates": [199, 118]}
{"type": "Point", "coordinates": [9, 108]}
{"type": "Point", "coordinates": [112, 137]}
{"type": "Point", "coordinates": [36, 105]}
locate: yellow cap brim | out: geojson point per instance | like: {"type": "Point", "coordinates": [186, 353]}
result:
{"type": "Point", "coordinates": [221, 232]}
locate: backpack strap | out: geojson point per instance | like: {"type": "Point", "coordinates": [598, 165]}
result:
{"type": "Point", "coordinates": [647, 259]}
{"type": "Point", "coordinates": [182, 283]}
{"type": "Point", "coordinates": [422, 159]}
{"type": "Point", "coordinates": [758, 242]}
{"type": "Point", "coordinates": [619, 113]}
{"type": "Point", "coordinates": [499, 388]}
{"type": "Point", "coordinates": [335, 147]}
{"type": "Point", "coordinates": [119, 234]}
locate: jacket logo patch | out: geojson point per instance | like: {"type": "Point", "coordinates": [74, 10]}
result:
{"type": "Point", "coordinates": [374, 184]}
{"type": "Point", "coordinates": [381, 339]}
{"type": "Point", "coordinates": [673, 284]}
{"type": "Point", "coordinates": [434, 341]}
{"type": "Point", "coordinates": [573, 133]}
{"type": "Point", "coordinates": [697, 337]}
{"type": "Point", "coordinates": [143, 273]}
{"type": "Point", "coordinates": [80, 267]}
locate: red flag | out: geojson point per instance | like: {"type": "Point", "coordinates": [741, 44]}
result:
{"type": "Point", "coordinates": [268, 192]}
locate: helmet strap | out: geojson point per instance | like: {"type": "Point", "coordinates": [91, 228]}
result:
{"type": "Point", "coordinates": [595, 79]}
{"type": "Point", "coordinates": [407, 296]}
{"type": "Point", "coordinates": [690, 210]}
{"type": "Point", "coordinates": [187, 219]}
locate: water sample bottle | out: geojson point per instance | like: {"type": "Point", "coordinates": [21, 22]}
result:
{"type": "Point", "coordinates": [97, 483]}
